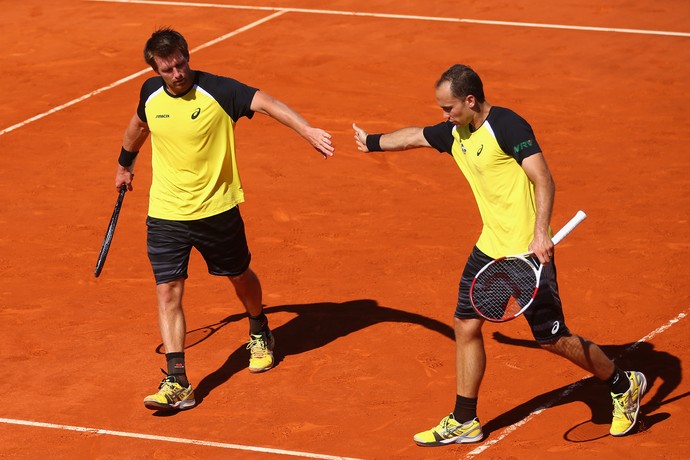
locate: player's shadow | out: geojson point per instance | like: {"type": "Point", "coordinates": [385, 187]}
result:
{"type": "Point", "coordinates": [663, 372]}
{"type": "Point", "coordinates": [314, 326]}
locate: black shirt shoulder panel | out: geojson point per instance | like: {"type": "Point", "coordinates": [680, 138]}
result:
{"type": "Point", "coordinates": [440, 136]}
{"type": "Point", "coordinates": [149, 87]}
{"type": "Point", "coordinates": [235, 97]}
{"type": "Point", "coordinates": [513, 134]}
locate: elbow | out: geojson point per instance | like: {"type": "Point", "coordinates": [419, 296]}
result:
{"type": "Point", "coordinates": [410, 143]}
{"type": "Point", "coordinates": [550, 184]}
{"type": "Point", "coordinates": [142, 129]}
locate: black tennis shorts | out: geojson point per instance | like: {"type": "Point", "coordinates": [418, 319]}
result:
{"type": "Point", "coordinates": [544, 316]}
{"type": "Point", "coordinates": [220, 240]}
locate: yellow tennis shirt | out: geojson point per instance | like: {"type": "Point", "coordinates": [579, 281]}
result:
{"type": "Point", "coordinates": [194, 168]}
{"type": "Point", "coordinates": [490, 159]}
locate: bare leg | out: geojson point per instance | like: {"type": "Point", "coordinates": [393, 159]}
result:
{"type": "Point", "coordinates": [470, 365]}
{"type": "Point", "coordinates": [174, 392]}
{"type": "Point", "coordinates": [583, 353]}
{"type": "Point", "coordinates": [171, 318]}
{"type": "Point", "coordinates": [248, 289]}
{"type": "Point", "coordinates": [470, 356]}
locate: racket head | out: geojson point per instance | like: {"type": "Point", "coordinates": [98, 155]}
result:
{"type": "Point", "coordinates": [504, 288]}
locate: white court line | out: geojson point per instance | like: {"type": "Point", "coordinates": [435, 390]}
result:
{"type": "Point", "coordinates": [280, 11]}
{"type": "Point", "coordinates": [72, 102]}
{"type": "Point", "coordinates": [135, 75]}
{"type": "Point", "coordinates": [222, 445]}
{"type": "Point", "coordinates": [569, 390]}
{"type": "Point", "coordinates": [405, 16]}
{"type": "Point", "coordinates": [151, 437]}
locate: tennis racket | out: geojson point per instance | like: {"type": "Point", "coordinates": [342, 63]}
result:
{"type": "Point", "coordinates": [110, 232]}
{"type": "Point", "coordinates": [505, 287]}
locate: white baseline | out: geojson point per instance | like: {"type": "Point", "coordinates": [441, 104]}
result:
{"type": "Point", "coordinates": [152, 437]}
{"type": "Point", "coordinates": [403, 16]}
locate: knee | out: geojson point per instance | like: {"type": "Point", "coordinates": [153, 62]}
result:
{"type": "Point", "coordinates": [467, 330]}
{"type": "Point", "coordinates": [170, 295]}
{"type": "Point", "coordinates": [550, 347]}
{"type": "Point", "coordinates": [555, 347]}
{"type": "Point", "coordinates": [246, 278]}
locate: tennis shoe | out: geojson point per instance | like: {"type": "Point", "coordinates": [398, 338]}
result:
{"type": "Point", "coordinates": [450, 431]}
{"type": "Point", "coordinates": [260, 348]}
{"type": "Point", "coordinates": [171, 396]}
{"type": "Point", "coordinates": [626, 405]}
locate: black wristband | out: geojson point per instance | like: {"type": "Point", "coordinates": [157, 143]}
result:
{"type": "Point", "coordinates": [374, 143]}
{"type": "Point", "coordinates": [126, 157]}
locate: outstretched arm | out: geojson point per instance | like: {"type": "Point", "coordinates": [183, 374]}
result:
{"type": "Point", "coordinates": [402, 139]}
{"type": "Point", "coordinates": [318, 138]}
{"type": "Point", "coordinates": [544, 189]}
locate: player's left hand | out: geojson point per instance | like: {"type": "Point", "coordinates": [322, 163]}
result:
{"type": "Point", "coordinates": [542, 247]}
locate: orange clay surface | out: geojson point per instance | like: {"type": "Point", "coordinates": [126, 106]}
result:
{"type": "Point", "coordinates": [360, 255]}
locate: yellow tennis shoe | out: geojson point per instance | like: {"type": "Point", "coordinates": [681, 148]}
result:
{"type": "Point", "coordinates": [171, 396]}
{"type": "Point", "coordinates": [450, 431]}
{"type": "Point", "coordinates": [260, 348]}
{"type": "Point", "coordinates": [626, 405]}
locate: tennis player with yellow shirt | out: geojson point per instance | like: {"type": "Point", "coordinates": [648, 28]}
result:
{"type": "Point", "coordinates": [195, 194]}
{"type": "Point", "coordinates": [498, 154]}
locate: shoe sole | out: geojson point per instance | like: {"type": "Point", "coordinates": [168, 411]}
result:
{"type": "Point", "coordinates": [180, 405]}
{"type": "Point", "coordinates": [259, 370]}
{"type": "Point", "coordinates": [445, 442]}
{"type": "Point", "coordinates": [643, 388]}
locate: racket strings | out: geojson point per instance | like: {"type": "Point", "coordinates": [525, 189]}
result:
{"type": "Point", "coordinates": [504, 288]}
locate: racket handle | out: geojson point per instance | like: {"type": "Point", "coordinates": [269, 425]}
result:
{"type": "Point", "coordinates": [567, 228]}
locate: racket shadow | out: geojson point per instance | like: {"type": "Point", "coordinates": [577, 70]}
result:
{"type": "Point", "coordinates": [314, 326]}
{"type": "Point", "coordinates": [196, 336]}
{"type": "Point", "coordinates": [663, 371]}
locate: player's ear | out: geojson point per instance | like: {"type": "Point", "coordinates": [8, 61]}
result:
{"type": "Point", "coordinates": [470, 101]}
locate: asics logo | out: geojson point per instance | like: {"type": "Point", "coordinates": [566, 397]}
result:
{"type": "Point", "coordinates": [556, 326]}
{"type": "Point", "coordinates": [196, 113]}
{"type": "Point", "coordinates": [481, 147]}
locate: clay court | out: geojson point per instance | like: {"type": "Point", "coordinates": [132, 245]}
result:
{"type": "Point", "coordinates": [360, 255]}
